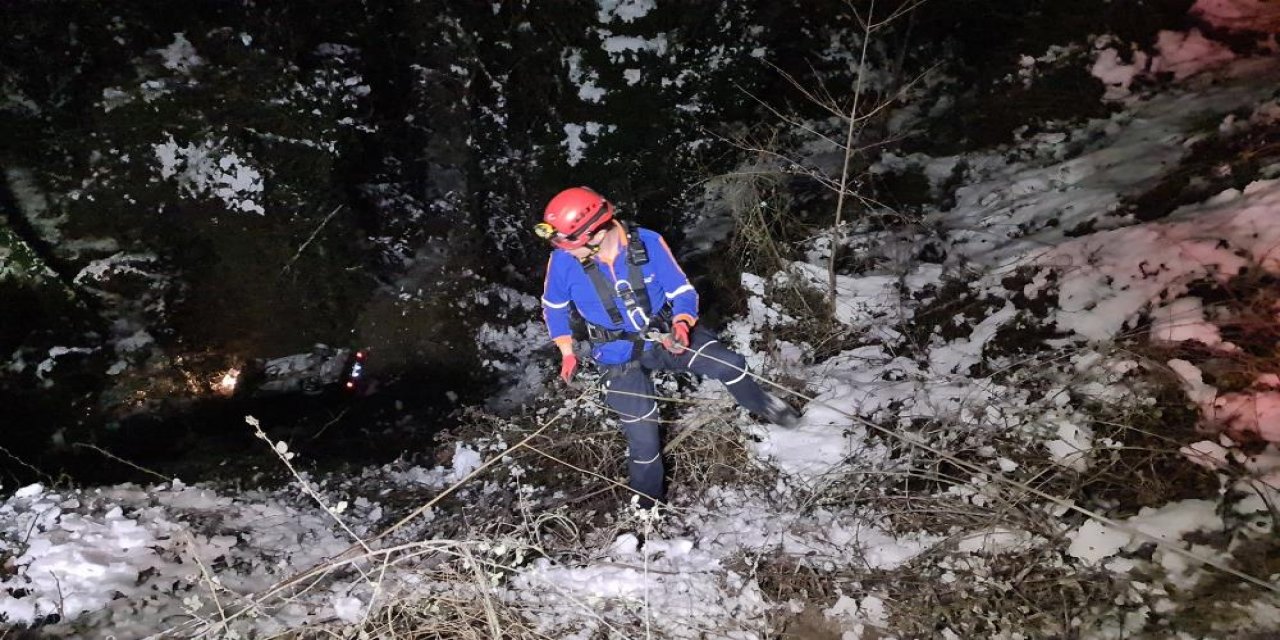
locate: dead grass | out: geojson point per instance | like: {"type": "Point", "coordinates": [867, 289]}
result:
{"type": "Point", "coordinates": [783, 577]}
{"type": "Point", "coordinates": [815, 327]}
{"type": "Point", "coordinates": [713, 453]}
{"type": "Point", "coordinates": [460, 610]}
{"type": "Point", "coordinates": [1146, 467]}
{"type": "Point", "coordinates": [950, 310]}
{"type": "Point", "coordinates": [765, 230]}
{"type": "Point", "coordinates": [583, 458]}
{"type": "Point", "coordinates": [786, 578]}
{"type": "Point", "coordinates": [1245, 311]}
{"type": "Point", "coordinates": [811, 624]}
{"type": "Point", "coordinates": [975, 597]}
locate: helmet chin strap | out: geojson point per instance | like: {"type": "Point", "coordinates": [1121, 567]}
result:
{"type": "Point", "coordinates": [592, 249]}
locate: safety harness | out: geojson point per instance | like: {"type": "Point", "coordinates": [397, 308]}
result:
{"type": "Point", "coordinates": [631, 290]}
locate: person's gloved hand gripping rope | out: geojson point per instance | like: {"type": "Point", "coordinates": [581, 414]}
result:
{"type": "Point", "coordinates": [679, 335]}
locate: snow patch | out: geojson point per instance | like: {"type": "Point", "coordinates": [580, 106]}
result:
{"type": "Point", "coordinates": [624, 10]}
{"type": "Point", "coordinates": [1111, 276]}
{"type": "Point", "coordinates": [577, 136]}
{"type": "Point", "coordinates": [584, 79]}
{"type": "Point", "coordinates": [180, 55]}
{"type": "Point", "coordinates": [1262, 16]}
{"type": "Point", "coordinates": [465, 460]}
{"type": "Point", "coordinates": [1094, 542]}
{"type": "Point", "coordinates": [1183, 320]}
{"type": "Point", "coordinates": [1179, 54]}
{"type": "Point", "coordinates": [623, 48]}
{"type": "Point", "coordinates": [207, 168]}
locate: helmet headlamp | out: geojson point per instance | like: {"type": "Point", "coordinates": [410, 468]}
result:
{"type": "Point", "coordinates": [544, 231]}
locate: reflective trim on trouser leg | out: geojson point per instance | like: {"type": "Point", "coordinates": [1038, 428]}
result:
{"type": "Point", "coordinates": [644, 457]}
{"type": "Point", "coordinates": [699, 351]}
{"type": "Point", "coordinates": [629, 396]}
{"type": "Point", "coordinates": [638, 419]}
{"type": "Point", "coordinates": [731, 368]}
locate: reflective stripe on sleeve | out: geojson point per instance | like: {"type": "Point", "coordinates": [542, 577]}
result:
{"type": "Point", "coordinates": [684, 289]}
{"type": "Point", "coordinates": [553, 305]}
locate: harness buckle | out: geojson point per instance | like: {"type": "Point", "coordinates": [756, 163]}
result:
{"type": "Point", "coordinates": [635, 313]}
{"type": "Point", "coordinates": [598, 334]}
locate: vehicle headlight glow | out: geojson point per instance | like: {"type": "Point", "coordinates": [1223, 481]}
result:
{"type": "Point", "coordinates": [226, 384]}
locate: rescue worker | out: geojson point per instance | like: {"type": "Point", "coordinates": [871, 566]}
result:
{"type": "Point", "coordinates": [626, 284]}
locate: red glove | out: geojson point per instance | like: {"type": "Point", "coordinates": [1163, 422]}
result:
{"type": "Point", "coordinates": [568, 364]}
{"type": "Point", "coordinates": [679, 336]}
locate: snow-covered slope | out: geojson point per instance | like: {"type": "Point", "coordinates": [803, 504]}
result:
{"type": "Point", "coordinates": [945, 481]}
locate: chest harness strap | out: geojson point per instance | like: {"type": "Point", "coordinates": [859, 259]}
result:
{"type": "Point", "coordinates": [631, 289]}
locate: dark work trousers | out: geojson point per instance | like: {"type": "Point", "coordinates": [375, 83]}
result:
{"type": "Point", "coordinates": [629, 391]}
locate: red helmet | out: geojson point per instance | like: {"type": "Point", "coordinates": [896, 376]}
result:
{"type": "Point", "coordinates": [573, 216]}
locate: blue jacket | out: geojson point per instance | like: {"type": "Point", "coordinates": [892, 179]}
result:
{"type": "Point", "coordinates": [567, 282]}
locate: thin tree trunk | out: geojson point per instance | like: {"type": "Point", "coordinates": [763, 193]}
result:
{"type": "Point", "coordinates": [848, 156]}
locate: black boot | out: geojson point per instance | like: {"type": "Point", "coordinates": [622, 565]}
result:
{"type": "Point", "coordinates": [780, 413]}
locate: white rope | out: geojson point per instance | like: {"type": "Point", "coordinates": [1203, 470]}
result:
{"type": "Point", "coordinates": [657, 398]}
{"type": "Point", "coordinates": [699, 352]}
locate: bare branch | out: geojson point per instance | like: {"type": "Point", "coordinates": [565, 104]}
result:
{"type": "Point", "coordinates": [312, 237]}
{"type": "Point", "coordinates": [794, 122]}
{"type": "Point", "coordinates": [844, 170]}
